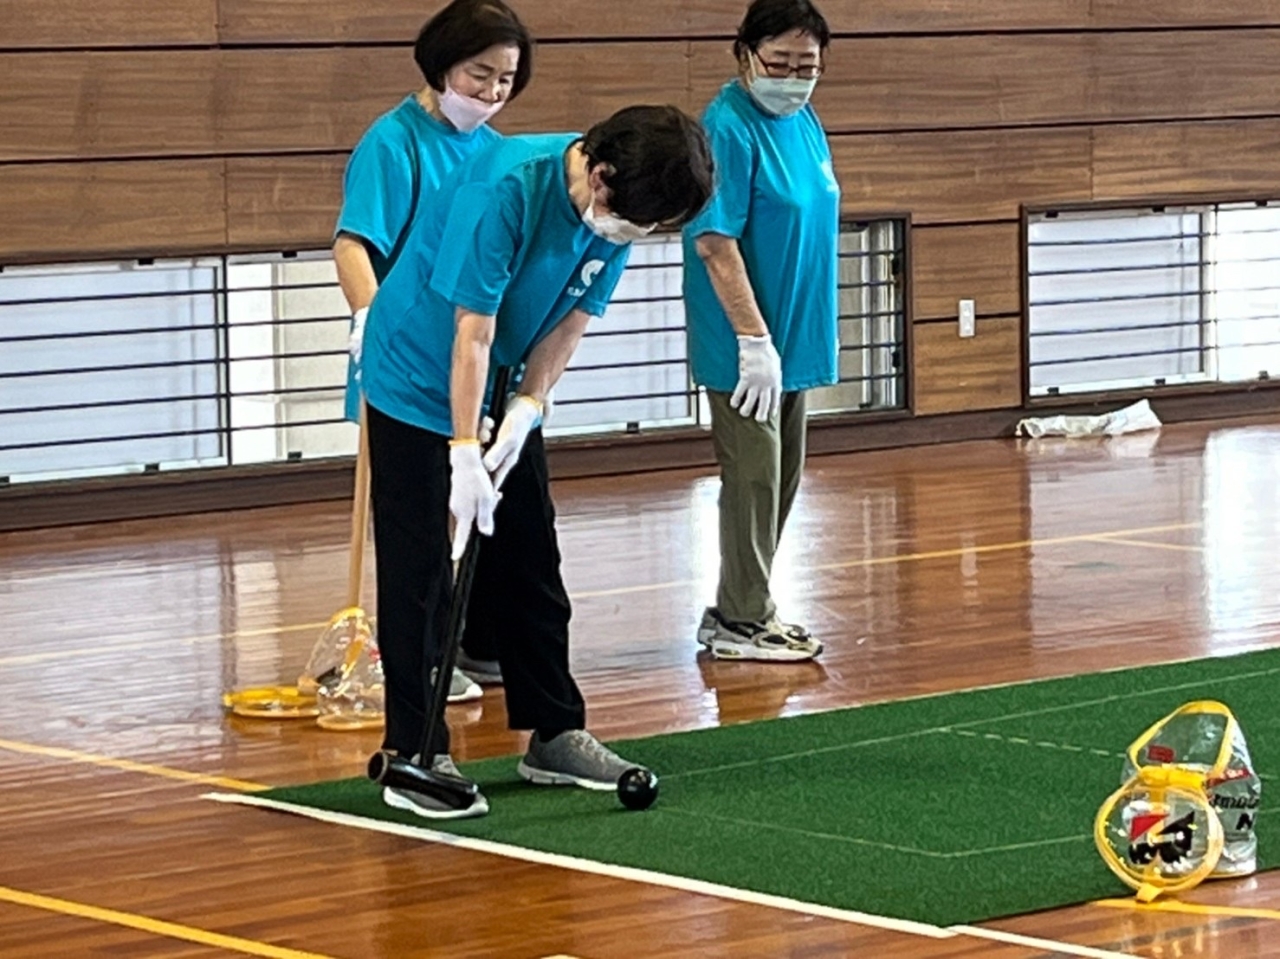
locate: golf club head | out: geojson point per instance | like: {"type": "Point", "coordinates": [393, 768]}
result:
{"type": "Point", "coordinates": [400, 773]}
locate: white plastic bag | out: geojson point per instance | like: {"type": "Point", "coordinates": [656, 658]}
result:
{"type": "Point", "coordinates": [1131, 419]}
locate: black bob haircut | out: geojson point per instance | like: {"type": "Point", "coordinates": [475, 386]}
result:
{"type": "Point", "coordinates": [661, 167]}
{"type": "Point", "coordinates": [773, 18]}
{"type": "Point", "coordinates": [466, 28]}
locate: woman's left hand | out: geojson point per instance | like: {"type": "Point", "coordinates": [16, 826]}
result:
{"type": "Point", "coordinates": [523, 414]}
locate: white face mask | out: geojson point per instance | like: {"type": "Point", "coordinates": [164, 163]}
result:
{"type": "Point", "coordinates": [466, 113]}
{"type": "Point", "coordinates": [781, 96]}
{"type": "Point", "coordinates": [613, 228]}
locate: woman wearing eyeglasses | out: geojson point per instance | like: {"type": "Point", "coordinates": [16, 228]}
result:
{"type": "Point", "coordinates": [760, 277]}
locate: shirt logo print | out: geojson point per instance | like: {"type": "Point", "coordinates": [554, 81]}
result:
{"type": "Point", "coordinates": [590, 270]}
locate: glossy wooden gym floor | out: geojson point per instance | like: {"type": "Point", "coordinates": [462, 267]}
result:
{"type": "Point", "coordinates": [924, 570]}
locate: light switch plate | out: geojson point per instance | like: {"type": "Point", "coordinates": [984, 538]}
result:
{"type": "Point", "coordinates": [968, 318]}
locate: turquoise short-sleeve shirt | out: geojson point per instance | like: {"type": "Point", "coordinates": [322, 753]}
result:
{"type": "Point", "coordinates": [777, 195]}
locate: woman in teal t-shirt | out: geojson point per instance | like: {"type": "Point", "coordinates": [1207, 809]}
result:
{"type": "Point", "coordinates": [508, 274]}
{"type": "Point", "coordinates": [476, 57]}
{"type": "Point", "coordinates": [760, 279]}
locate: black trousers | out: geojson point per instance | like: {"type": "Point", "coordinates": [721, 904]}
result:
{"type": "Point", "coordinates": [518, 601]}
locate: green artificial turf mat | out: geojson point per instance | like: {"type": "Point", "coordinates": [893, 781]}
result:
{"type": "Point", "coordinates": [948, 809]}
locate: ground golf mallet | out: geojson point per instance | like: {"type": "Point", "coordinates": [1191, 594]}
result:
{"type": "Point", "coordinates": [399, 772]}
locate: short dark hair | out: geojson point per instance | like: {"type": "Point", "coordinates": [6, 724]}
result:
{"type": "Point", "coordinates": [662, 171]}
{"type": "Point", "coordinates": [773, 18]}
{"type": "Point", "coordinates": [466, 28]}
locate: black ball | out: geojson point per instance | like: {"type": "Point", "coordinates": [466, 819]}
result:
{"type": "Point", "coordinates": [637, 788]}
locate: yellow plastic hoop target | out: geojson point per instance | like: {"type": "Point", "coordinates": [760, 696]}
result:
{"type": "Point", "coordinates": [272, 702]}
{"type": "Point", "coordinates": [1170, 837]}
{"type": "Point", "coordinates": [348, 723]}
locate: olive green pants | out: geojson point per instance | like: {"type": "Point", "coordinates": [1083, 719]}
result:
{"type": "Point", "coordinates": [760, 468]}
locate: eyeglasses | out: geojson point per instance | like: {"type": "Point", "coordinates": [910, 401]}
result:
{"type": "Point", "coordinates": [779, 71]}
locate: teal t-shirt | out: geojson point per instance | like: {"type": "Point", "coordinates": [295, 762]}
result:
{"type": "Point", "coordinates": [777, 195]}
{"type": "Point", "coordinates": [509, 243]}
{"type": "Point", "coordinates": [393, 175]}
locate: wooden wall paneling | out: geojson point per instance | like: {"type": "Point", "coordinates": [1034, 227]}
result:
{"type": "Point", "coordinates": [1184, 13]}
{"type": "Point", "coordinates": [919, 83]}
{"type": "Point", "coordinates": [98, 105]}
{"type": "Point", "coordinates": [951, 374]}
{"type": "Point", "coordinates": [933, 82]}
{"type": "Point", "coordinates": [952, 177]}
{"type": "Point", "coordinates": [201, 102]}
{"type": "Point", "coordinates": [106, 23]}
{"type": "Point", "coordinates": [166, 103]}
{"type": "Point", "coordinates": [283, 202]}
{"type": "Point", "coordinates": [579, 84]}
{"type": "Point", "coordinates": [393, 21]}
{"type": "Point", "coordinates": [1147, 161]}
{"type": "Point", "coordinates": [980, 263]}
{"type": "Point", "coordinates": [280, 100]}
{"type": "Point", "coordinates": [68, 211]}
{"type": "Point", "coordinates": [1184, 74]}
{"type": "Point", "coordinates": [721, 17]}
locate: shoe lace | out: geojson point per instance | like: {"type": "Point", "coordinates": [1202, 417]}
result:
{"type": "Point", "coordinates": [592, 748]}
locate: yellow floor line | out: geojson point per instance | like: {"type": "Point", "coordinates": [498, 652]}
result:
{"type": "Point", "coordinates": [101, 648]}
{"type": "Point", "coordinates": [156, 927]}
{"type": "Point", "coordinates": [908, 557]}
{"type": "Point", "coordinates": [128, 765]}
{"type": "Point", "coordinates": [1176, 547]}
{"type": "Point", "coordinates": [1191, 909]}
{"type": "Point", "coordinates": [1001, 547]}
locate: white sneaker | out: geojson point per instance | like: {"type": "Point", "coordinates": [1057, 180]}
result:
{"type": "Point", "coordinates": [758, 641]}
{"type": "Point", "coordinates": [797, 637]}
{"type": "Point", "coordinates": [430, 808]}
{"type": "Point", "coordinates": [462, 689]}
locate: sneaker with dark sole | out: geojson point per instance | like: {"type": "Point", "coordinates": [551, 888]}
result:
{"type": "Point", "coordinates": [574, 758]}
{"type": "Point", "coordinates": [430, 808]}
{"type": "Point", "coordinates": [486, 672]}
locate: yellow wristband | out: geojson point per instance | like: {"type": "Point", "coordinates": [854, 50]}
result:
{"type": "Point", "coordinates": [472, 441]}
{"type": "Point", "coordinates": [530, 399]}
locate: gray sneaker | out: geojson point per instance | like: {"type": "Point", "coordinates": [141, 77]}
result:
{"type": "Point", "coordinates": [574, 758]}
{"type": "Point", "coordinates": [486, 672]}
{"type": "Point", "coordinates": [795, 633]}
{"type": "Point", "coordinates": [462, 689]}
{"type": "Point", "coordinates": [429, 808]}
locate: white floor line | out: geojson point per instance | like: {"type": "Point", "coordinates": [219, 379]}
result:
{"type": "Point", "coordinates": [1046, 945]}
{"type": "Point", "coordinates": [694, 886]}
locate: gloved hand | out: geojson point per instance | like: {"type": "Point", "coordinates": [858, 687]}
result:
{"type": "Point", "coordinates": [523, 414]}
{"type": "Point", "coordinates": [486, 431]}
{"type": "Point", "coordinates": [759, 388]}
{"type": "Point", "coordinates": [472, 497]}
{"type": "Point", "coordinates": [355, 343]}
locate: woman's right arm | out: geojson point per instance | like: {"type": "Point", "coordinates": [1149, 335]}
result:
{"type": "Point", "coordinates": [355, 271]}
{"type": "Point", "coordinates": [728, 273]}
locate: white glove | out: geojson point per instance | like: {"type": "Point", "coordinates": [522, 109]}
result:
{"type": "Point", "coordinates": [355, 343]}
{"type": "Point", "coordinates": [759, 378]}
{"type": "Point", "coordinates": [472, 497]}
{"type": "Point", "coordinates": [523, 414]}
{"type": "Point", "coordinates": [486, 430]}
